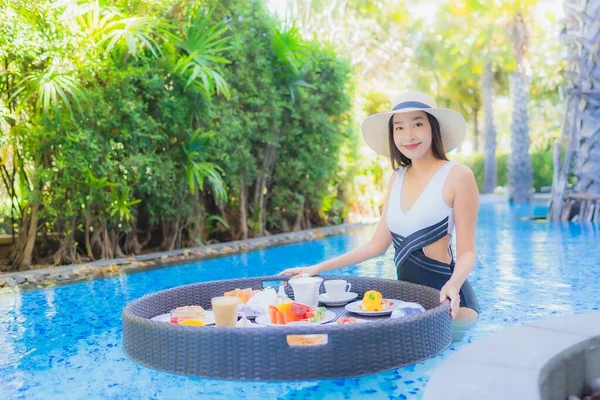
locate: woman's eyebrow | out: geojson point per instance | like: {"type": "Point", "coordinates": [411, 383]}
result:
{"type": "Point", "coordinates": [414, 119]}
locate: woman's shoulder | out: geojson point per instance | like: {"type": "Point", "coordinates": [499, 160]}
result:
{"type": "Point", "coordinates": [394, 177]}
{"type": "Point", "coordinates": [460, 174]}
{"type": "Point", "coordinates": [460, 170]}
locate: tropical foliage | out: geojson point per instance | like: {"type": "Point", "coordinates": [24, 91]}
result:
{"type": "Point", "coordinates": [135, 126]}
{"type": "Point", "coordinates": [163, 125]}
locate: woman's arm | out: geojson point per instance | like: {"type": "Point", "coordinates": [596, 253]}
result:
{"type": "Point", "coordinates": [378, 244]}
{"type": "Point", "coordinates": [466, 207]}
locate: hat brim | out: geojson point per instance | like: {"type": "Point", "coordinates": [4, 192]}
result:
{"type": "Point", "coordinates": [375, 128]}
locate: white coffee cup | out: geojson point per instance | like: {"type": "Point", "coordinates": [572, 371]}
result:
{"type": "Point", "coordinates": [337, 288]}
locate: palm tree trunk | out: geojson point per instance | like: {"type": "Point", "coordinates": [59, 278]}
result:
{"type": "Point", "coordinates": [582, 113]}
{"type": "Point", "coordinates": [474, 113]}
{"type": "Point", "coordinates": [490, 178]}
{"type": "Point", "coordinates": [520, 178]}
{"type": "Point", "coordinates": [520, 173]}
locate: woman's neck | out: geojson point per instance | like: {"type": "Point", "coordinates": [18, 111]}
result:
{"type": "Point", "coordinates": [425, 164]}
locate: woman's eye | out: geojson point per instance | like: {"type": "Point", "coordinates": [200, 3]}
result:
{"type": "Point", "coordinates": [398, 128]}
{"type": "Point", "coordinates": [419, 124]}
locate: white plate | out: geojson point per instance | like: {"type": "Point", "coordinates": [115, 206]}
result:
{"type": "Point", "coordinates": [266, 320]}
{"type": "Point", "coordinates": [353, 308]}
{"type": "Point", "coordinates": [209, 318]}
{"type": "Point", "coordinates": [324, 298]}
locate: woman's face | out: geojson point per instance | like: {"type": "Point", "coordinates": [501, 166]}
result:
{"type": "Point", "coordinates": [412, 134]}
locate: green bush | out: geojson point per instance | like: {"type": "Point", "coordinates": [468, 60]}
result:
{"type": "Point", "coordinates": [541, 162]}
{"type": "Point", "coordinates": [167, 148]}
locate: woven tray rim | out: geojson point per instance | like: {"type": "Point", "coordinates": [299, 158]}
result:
{"type": "Point", "coordinates": [141, 326]}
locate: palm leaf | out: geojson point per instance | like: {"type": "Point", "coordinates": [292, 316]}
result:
{"type": "Point", "coordinates": [132, 30]}
{"type": "Point", "coordinates": [48, 86]}
{"type": "Point", "coordinates": [290, 48]}
{"type": "Point", "coordinates": [200, 47]}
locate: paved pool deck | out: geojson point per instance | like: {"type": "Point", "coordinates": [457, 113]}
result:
{"type": "Point", "coordinates": [512, 363]}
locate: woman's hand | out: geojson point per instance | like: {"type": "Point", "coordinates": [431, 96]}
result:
{"type": "Point", "coordinates": [314, 270]}
{"type": "Point", "coordinates": [451, 291]}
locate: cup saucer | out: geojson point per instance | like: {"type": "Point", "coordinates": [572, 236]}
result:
{"type": "Point", "coordinates": [348, 297]}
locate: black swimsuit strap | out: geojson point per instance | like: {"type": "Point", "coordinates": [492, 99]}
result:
{"type": "Point", "coordinates": [405, 246]}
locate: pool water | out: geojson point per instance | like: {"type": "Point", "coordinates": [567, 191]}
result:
{"type": "Point", "coordinates": [65, 342]}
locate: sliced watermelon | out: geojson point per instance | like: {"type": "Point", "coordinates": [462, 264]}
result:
{"type": "Point", "coordinates": [300, 309]}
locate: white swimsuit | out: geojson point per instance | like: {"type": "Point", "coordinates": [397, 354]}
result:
{"type": "Point", "coordinates": [427, 221]}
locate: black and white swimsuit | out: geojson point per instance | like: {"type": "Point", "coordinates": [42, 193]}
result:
{"type": "Point", "coordinates": [427, 221]}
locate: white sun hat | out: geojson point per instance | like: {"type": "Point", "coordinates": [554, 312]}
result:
{"type": "Point", "coordinates": [375, 128]}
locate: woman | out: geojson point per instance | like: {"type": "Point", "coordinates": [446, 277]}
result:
{"type": "Point", "coordinates": [427, 198]}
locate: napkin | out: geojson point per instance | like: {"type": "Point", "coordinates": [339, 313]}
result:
{"type": "Point", "coordinates": [260, 302]}
{"type": "Point", "coordinates": [406, 309]}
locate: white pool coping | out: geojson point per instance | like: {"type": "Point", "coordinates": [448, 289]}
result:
{"type": "Point", "coordinates": [508, 364]}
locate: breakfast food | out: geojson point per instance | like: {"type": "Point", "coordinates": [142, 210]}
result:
{"type": "Point", "coordinates": [243, 294]}
{"type": "Point", "coordinates": [187, 313]}
{"type": "Point", "coordinates": [290, 311]}
{"type": "Point", "coordinates": [373, 301]}
{"type": "Point", "coordinates": [192, 322]}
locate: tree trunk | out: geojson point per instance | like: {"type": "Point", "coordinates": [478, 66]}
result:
{"type": "Point", "coordinates": [262, 184]}
{"type": "Point", "coordinates": [132, 243]}
{"type": "Point", "coordinates": [243, 207]}
{"type": "Point", "coordinates": [582, 116]}
{"type": "Point", "coordinates": [115, 238]}
{"type": "Point", "coordinates": [307, 224]}
{"type": "Point", "coordinates": [520, 174]}
{"type": "Point", "coordinates": [108, 248]}
{"type": "Point", "coordinates": [18, 249]}
{"type": "Point", "coordinates": [22, 251]}
{"type": "Point", "coordinates": [32, 233]}
{"type": "Point", "coordinates": [474, 113]}
{"type": "Point", "coordinates": [88, 243]}
{"type": "Point", "coordinates": [67, 253]}
{"type": "Point", "coordinates": [490, 178]}
{"type": "Point", "coordinates": [171, 235]}
{"type": "Point", "coordinates": [299, 217]}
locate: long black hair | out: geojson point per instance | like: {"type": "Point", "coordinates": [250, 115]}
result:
{"type": "Point", "coordinates": [400, 160]}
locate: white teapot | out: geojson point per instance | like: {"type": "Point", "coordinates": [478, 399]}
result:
{"type": "Point", "coordinates": [306, 289]}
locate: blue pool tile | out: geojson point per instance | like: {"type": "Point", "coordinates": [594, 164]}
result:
{"type": "Point", "coordinates": [65, 342]}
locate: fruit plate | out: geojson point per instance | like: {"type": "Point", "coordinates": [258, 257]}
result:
{"type": "Point", "coordinates": [354, 308]}
{"type": "Point", "coordinates": [264, 319]}
{"type": "Point", "coordinates": [208, 319]}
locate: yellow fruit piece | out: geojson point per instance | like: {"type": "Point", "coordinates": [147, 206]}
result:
{"type": "Point", "coordinates": [286, 305]}
{"type": "Point", "coordinates": [192, 322]}
{"type": "Point", "coordinates": [372, 300]}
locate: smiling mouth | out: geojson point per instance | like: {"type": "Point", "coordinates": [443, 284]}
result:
{"type": "Point", "coordinates": [412, 146]}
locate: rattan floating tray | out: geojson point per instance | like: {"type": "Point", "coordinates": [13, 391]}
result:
{"type": "Point", "coordinates": [265, 355]}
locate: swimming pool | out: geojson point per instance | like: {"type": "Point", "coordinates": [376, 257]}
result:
{"type": "Point", "coordinates": [65, 342]}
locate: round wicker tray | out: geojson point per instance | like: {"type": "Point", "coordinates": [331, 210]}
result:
{"type": "Point", "coordinates": [265, 355]}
